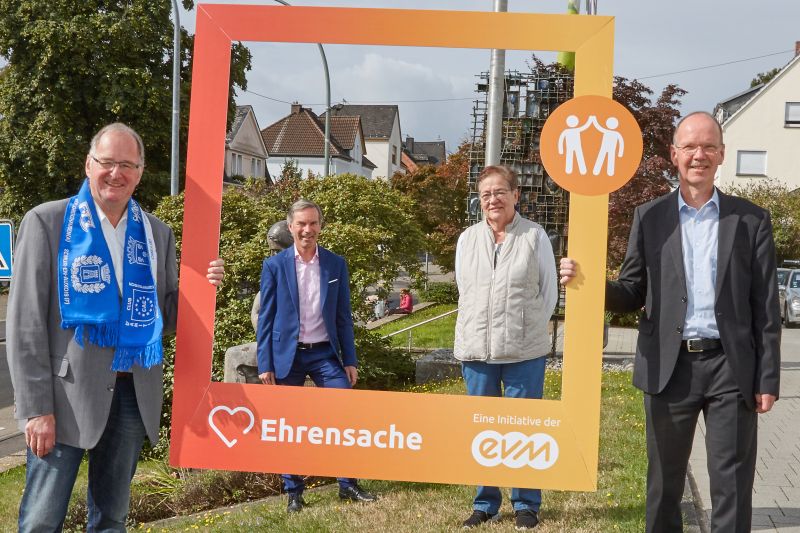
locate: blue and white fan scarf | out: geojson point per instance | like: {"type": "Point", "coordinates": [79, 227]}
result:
{"type": "Point", "coordinates": [89, 298]}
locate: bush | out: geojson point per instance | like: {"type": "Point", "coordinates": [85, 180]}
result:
{"type": "Point", "coordinates": [381, 367]}
{"type": "Point", "coordinates": [627, 320]}
{"type": "Point", "coordinates": [440, 292]}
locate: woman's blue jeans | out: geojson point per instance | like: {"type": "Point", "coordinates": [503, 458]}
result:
{"type": "Point", "coordinates": [524, 379]}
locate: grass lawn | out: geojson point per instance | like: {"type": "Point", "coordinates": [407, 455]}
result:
{"type": "Point", "coordinates": [11, 484]}
{"type": "Point", "coordinates": [437, 334]}
{"type": "Point", "coordinates": [618, 504]}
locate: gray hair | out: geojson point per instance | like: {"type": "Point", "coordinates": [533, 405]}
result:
{"type": "Point", "coordinates": [123, 128]}
{"type": "Point", "coordinates": [503, 171]}
{"type": "Point", "coordinates": [695, 113]}
{"type": "Point", "coordinates": [301, 205]}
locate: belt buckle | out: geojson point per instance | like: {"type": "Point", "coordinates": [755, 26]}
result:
{"type": "Point", "coordinates": [690, 342]}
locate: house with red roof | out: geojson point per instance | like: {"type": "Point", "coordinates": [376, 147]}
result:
{"type": "Point", "coordinates": [300, 137]}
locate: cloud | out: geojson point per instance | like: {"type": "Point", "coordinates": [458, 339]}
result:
{"type": "Point", "coordinates": [381, 79]}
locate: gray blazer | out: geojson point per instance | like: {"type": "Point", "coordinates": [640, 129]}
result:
{"type": "Point", "coordinates": [51, 374]}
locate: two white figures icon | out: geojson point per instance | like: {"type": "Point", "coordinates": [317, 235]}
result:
{"type": "Point", "coordinates": [611, 147]}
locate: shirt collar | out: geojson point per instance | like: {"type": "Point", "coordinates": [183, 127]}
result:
{"type": "Point", "coordinates": [714, 200]}
{"type": "Point", "coordinates": [298, 257]}
{"type": "Point", "coordinates": [104, 218]}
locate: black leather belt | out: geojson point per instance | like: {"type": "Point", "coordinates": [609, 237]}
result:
{"type": "Point", "coordinates": [311, 345]}
{"type": "Point", "coordinates": [124, 375]}
{"type": "Point", "coordinates": [701, 345]}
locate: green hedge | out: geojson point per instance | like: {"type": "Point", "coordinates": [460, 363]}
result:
{"type": "Point", "coordinates": [440, 292]}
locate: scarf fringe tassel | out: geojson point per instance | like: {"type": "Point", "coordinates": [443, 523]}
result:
{"type": "Point", "coordinates": [107, 335]}
{"type": "Point", "coordinates": [126, 356]}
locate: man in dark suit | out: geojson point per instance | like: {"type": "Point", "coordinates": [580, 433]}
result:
{"type": "Point", "coordinates": [305, 325]}
{"type": "Point", "coordinates": [701, 264]}
{"type": "Point", "coordinates": [73, 392]}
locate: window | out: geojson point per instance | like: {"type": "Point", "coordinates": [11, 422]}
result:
{"type": "Point", "coordinates": [253, 166]}
{"type": "Point", "coordinates": [792, 115]}
{"type": "Point", "coordinates": [394, 154]}
{"type": "Point", "coordinates": [258, 168]}
{"type": "Point", "coordinates": [751, 163]}
{"type": "Point", "coordinates": [238, 165]}
{"type": "Point", "coordinates": [232, 168]}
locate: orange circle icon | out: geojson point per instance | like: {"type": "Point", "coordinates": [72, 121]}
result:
{"type": "Point", "coordinates": [591, 145]}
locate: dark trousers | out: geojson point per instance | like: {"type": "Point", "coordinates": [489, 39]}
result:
{"type": "Point", "coordinates": [701, 382]}
{"type": "Point", "coordinates": [323, 367]}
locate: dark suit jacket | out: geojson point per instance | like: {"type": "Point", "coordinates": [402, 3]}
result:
{"type": "Point", "coordinates": [278, 329]}
{"type": "Point", "coordinates": [746, 306]}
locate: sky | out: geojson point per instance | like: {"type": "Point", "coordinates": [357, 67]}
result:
{"type": "Point", "coordinates": [654, 41]}
{"type": "Point", "coordinates": [678, 42]}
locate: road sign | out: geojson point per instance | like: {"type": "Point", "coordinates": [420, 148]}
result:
{"type": "Point", "coordinates": [6, 249]}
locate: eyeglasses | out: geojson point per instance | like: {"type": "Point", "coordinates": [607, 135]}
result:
{"type": "Point", "coordinates": [108, 164]}
{"type": "Point", "coordinates": [499, 194]}
{"type": "Point", "coordinates": [690, 149]}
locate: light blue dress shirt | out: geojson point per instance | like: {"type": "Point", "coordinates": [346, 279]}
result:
{"type": "Point", "coordinates": [699, 242]}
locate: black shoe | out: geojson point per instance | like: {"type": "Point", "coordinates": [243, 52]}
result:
{"type": "Point", "coordinates": [296, 503]}
{"type": "Point", "coordinates": [477, 518]}
{"type": "Point", "coordinates": [525, 519]}
{"type": "Point", "coordinates": [356, 494]}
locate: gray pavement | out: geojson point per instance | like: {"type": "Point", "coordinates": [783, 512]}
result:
{"type": "Point", "coordinates": [12, 442]}
{"type": "Point", "coordinates": [776, 491]}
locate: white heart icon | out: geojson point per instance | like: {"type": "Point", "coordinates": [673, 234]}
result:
{"type": "Point", "coordinates": [231, 412]}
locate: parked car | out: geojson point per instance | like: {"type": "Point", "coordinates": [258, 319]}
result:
{"type": "Point", "coordinates": [783, 278]}
{"type": "Point", "coordinates": [791, 301]}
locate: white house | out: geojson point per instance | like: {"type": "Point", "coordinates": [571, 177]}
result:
{"type": "Point", "coordinates": [245, 153]}
{"type": "Point", "coordinates": [300, 137]}
{"type": "Point", "coordinates": [381, 126]}
{"type": "Point", "coordinates": [762, 135]}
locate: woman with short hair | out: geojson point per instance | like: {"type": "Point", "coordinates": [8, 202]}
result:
{"type": "Point", "coordinates": [506, 276]}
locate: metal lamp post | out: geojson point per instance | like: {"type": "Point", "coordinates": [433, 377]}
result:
{"type": "Point", "coordinates": [327, 102]}
{"type": "Point", "coordinates": [176, 99]}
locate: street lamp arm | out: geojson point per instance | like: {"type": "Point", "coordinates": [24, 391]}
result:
{"type": "Point", "coordinates": [327, 152]}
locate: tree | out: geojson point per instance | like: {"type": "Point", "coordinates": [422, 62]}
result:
{"type": "Point", "coordinates": [784, 209]}
{"type": "Point", "coordinates": [764, 77]}
{"type": "Point", "coordinates": [73, 66]}
{"type": "Point", "coordinates": [360, 215]}
{"type": "Point", "coordinates": [657, 121]}
{"type": "Point", "coordinates": [440, 195]}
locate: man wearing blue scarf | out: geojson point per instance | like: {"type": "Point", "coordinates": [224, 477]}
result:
{"type": "Point", "coordinates": [95, 287]}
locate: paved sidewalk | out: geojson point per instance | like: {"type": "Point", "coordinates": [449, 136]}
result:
{"type": "Point", "coordinates": [776, 492]}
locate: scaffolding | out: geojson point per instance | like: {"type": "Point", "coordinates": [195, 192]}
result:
{"type": "Point", "coordinates": [529, 98]}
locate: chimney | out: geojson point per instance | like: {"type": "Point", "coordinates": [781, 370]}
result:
{"type": "Point", "coordinates": [410, 143]}
{"type": "Point", "coordinates": [296, 108]}
{"type": "Point", "coordinates": [797, 48]}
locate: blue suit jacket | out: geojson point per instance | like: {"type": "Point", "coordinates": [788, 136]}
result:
{"type": "Point", "coordinates": [279, 318]}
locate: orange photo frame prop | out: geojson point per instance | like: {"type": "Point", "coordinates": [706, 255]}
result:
{"type": "Point", "coordinates": [376, 434]}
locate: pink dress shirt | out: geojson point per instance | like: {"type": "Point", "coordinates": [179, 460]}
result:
{"type": "Point", "coordinates": [312, 327]}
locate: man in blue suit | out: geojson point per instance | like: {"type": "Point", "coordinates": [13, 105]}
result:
{"type": "Point", "coordinates": [305, 325]}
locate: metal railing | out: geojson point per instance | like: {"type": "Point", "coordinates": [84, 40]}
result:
{"type": "Point", "coordinates": [409, 329]}
{"type": "Point", "coordinates": [554, 336]}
